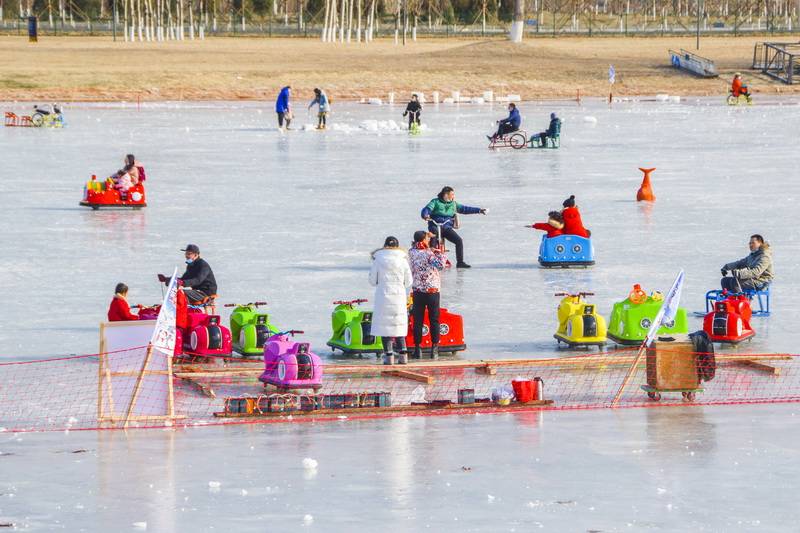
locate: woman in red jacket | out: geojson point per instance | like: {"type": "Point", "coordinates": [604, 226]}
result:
{"type": "Point", "coordinates": [119, 310]}
{"type": "Point", "coordinates": [573, 225]}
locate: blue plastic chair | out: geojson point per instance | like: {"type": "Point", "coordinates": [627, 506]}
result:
{"type": "Point", "coordinates": [761, 295]}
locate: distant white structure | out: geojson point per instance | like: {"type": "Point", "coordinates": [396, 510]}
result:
{"type": "Point", "coordinates": [518, 24]}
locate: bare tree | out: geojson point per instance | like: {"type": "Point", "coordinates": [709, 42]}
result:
{"type": "Point", "coordinates": [518, 23]}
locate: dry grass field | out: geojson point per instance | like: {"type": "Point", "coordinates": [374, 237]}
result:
{"type": "Point", "coordinates": [97, 69]}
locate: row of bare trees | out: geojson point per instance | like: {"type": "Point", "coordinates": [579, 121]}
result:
{"type": "Point", "coordinates": [360, 20]}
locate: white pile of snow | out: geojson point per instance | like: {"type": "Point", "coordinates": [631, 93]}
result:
{"type": "Point", "coordinates": [379, 125]}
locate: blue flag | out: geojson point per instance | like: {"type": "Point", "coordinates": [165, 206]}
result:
{"type": "Point", "coordinates": [612, 74]}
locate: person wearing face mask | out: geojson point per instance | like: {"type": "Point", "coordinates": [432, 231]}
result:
{"type": "Point", "coordinates": [199, 284]}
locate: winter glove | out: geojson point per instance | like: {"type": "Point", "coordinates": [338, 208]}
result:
{"type": "Point", "coordinates": [162, 278]}
{"type": "Point", "coordinates": [724, 272]}
{"type": "Point", "coordinates": [484, 211]}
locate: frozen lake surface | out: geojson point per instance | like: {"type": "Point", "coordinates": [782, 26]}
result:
{"type": "Point", "coordinates": [292, 218]}
{"type": "Point", "coordinates": [672, 469]}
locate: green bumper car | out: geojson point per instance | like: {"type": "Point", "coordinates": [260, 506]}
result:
{"type": "Point", "coordinates": [250, 328]}
{"type": "Point", "coordinates": [632, 317]}
{"type": "Point", "coordinates": [351, 329]}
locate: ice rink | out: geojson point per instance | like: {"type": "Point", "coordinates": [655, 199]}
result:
{"type": "Point", "coordinates": [291, 219]}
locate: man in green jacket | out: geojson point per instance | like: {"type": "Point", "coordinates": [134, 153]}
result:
{"type": "Point", "coordinates": [753, 272]}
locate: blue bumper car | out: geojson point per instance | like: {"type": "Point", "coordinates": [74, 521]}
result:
{"type": "Point", "coordinates": [566, 251]}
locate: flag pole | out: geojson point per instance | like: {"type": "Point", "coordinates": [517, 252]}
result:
{"type": "Point", "coordinates": [630, 373]}
{"type": "Point", "coordinates": [668, 309]}
{"type": "Point", "coordinates": [612, 75]}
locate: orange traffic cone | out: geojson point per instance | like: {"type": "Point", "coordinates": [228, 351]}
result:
{"type": "Point", "coordinates": [645, 192]}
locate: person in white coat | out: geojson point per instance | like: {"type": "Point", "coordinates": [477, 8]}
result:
{"type": "Point", "coordinates": [391, 276]}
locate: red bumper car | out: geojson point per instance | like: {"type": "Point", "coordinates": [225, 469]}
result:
{"type": "Point", "coordinates": [729, 321]}
{"type": "Point", "coordinates": [451, 333]}
{"type": "Point", "coordinates": [97, 194]}
{"type": "Point", "coordinates": [203, 335]}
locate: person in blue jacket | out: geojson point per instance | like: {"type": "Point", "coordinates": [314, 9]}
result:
{"type": "Point", "coordinates": [283, 107]}
{"type": "Point", "coordinates": [443, 210]}
{"type": "Point", "coordinates": [321, 100]}
{"type": "Point", "coordinates": [508, 124]}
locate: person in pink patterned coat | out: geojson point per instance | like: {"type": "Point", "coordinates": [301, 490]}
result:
{"type": "Point", "coordinates": [426, 264]}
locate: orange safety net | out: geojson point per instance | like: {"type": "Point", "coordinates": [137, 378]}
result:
{"type": "Point", "coordinates": [128, 389]}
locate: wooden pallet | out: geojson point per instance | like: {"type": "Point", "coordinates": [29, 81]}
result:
{"type": "Point", "coordinates": [488, 367]}
{"type": "Point", "coordinates": [397, 409]}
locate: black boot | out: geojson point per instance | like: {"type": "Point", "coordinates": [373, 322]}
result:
{"type": "Point", "coordinates": [462, 264]}
{"type": "Point", "coordinates": [417, 353]}
{"type": "Point", "coordinates": [435, 351]}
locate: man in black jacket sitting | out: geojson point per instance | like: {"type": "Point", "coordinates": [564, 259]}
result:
{"type": "Point", "coordinates": [199, 284]}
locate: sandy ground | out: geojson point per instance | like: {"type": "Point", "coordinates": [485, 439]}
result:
{"type": "Point", "coordinates": [97, 69]}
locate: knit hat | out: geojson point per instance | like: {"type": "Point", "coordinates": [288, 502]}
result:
{"type": "Point", "coordinates": [419, 236]}
{"type": "Point", "coordinates": [569, 202]}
